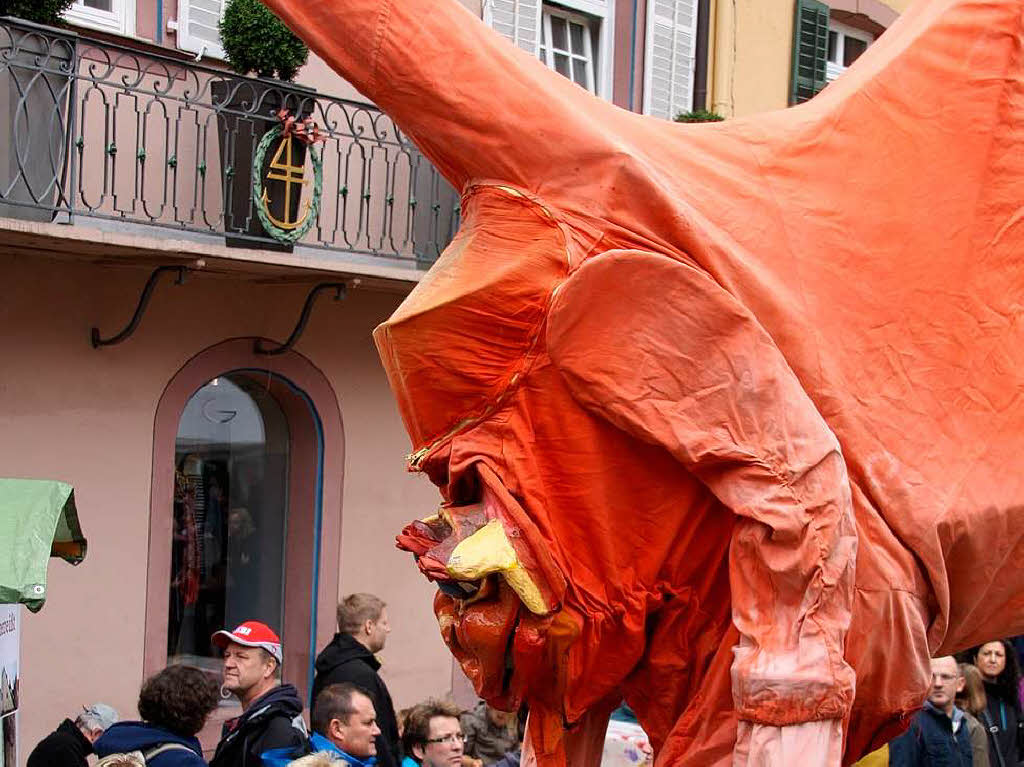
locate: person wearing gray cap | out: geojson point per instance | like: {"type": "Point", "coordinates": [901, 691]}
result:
{"type": "Point", "coordinates": [71, 742]}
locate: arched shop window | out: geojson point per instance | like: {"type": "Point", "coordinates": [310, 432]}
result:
{"type": "Point", "coordinates": [245, 510]}
{"type": "Point", "coordinates": [241, 458]}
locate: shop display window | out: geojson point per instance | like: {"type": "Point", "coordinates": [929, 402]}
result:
{"type": "Point", "coordinates": [231, 513]}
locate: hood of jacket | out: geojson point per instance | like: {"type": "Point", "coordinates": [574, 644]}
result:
{"type": "Point", "coordinates": [71, 734]}
{"type": "Point", "coordinates": [283, 699]}
{"type": "Point", "coordinates": [140, 736]}
{"type": "Point", "coordinates": [342, 649]}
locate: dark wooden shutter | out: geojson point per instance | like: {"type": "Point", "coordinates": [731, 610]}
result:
{"type": "Point", "coordinates": [810, 50]}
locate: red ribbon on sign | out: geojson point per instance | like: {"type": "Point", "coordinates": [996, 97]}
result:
{"type": "Point", "coordinates": [305, 131]}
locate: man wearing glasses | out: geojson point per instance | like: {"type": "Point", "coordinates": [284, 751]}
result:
{"type": "Point", "coordinates": [938, 733]}
{"type": "Point", "coordinates": [433, 735]}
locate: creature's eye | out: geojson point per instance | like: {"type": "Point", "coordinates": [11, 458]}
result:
{"type": "Point", "coordinates": [464, 489]}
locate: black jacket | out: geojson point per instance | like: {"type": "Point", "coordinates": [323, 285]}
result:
{"type": "Point", "coordinates": [64, 747]}
{"type": "Point", "coordinates": [274, 720]}
{"type": "Point", "coordinates": [345, 660]}
{"type": "Point", "coordinates": [1005, 727]}
{"type": "Point", "coordinates": [931, 742]}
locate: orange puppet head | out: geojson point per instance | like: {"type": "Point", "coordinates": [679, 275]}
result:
{"type": "Point", "coordinates": [726, 419]}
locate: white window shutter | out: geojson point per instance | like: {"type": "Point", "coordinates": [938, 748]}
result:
{"type": "Point", "coordinates": [669, 57]}
{"type": "Point", "coordinates": [197, 26]}
{"type": "Point", "coordinates": [518, 20]}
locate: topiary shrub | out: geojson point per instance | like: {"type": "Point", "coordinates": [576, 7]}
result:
{"type": "Point", "coordinates": [699, 116]}
{"type": "Point", "coordinates": [39, 11]}
{"type": "Point", "coordinates": [255, 40]}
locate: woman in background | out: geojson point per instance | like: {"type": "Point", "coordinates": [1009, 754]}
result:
{"type": "Point", "coordinates": [1000, 673]}
{"type": "Point", "coordinates": [970, 699]}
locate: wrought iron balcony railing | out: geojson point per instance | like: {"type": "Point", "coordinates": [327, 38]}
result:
{"type": "Point", "coordinates": [104, 131]}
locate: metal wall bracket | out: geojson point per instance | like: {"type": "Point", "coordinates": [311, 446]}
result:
{"type": "Point", "coordinates": [147, 293]}
{"type": "Point", "coordinates": [339, 289]}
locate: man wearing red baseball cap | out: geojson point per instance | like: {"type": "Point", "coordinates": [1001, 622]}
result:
{"type": "Point", "coordinates": [271, 711]}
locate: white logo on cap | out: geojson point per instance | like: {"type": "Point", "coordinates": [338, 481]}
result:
{"type": "Point", "coordinates": [243, 630]}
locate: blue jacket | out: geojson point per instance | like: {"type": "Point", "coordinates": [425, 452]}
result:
{"type": "Point", "coordinates": [141, 736]}
{"type": "Point", "coordinates": [280, 757]}
{"type": "Point", "coordinates": [931, 742]}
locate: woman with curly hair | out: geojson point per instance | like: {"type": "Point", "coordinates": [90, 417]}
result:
{"type": "Point", "coordinates": [173, 704]}
{"type": "Point", "coordinates": [997, 662]}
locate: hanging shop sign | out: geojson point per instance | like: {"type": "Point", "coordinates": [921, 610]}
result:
{"type": "Point", "coordinates": [277, 187]}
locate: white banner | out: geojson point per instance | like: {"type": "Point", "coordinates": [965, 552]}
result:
{"type": "Point", "coordinates": [10, 644]}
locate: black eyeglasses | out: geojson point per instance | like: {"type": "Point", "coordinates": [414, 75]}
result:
{"type": "Point", "coordinates": [455, 737]}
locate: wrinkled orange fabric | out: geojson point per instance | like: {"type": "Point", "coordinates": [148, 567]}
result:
{"type": "Point", "coordinates": [746, 397]}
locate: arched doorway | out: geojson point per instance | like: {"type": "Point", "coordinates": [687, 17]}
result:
{"type": "Point", "coordinates": [245, 509]}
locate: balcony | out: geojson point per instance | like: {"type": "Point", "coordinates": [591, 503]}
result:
{"type": "Point", "coordinates": [138, 142]}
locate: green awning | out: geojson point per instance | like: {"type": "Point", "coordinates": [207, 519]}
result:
{"type": "Point", "coordinates": [38, 520]}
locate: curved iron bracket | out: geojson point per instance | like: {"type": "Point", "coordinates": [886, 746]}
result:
{"type": "Point", "coordinates": [147, 293]}
{"type": "Point", "coordinates": [339, 289]}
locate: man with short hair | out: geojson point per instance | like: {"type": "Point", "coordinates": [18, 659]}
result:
{"type": "Point", "coordinates": [344, 717]}
{"type": "Point", "coordinates": [937, 736]}
{"type": "Point", "coordinates": [344, 729]}
{"type": "Point", "coordinates": [71, 742]}
{"type": "Point", "coordinates": [271, 711]}
{"type": "Point", "coordinates": [433, 734]}
{"type": "Point", "coordinates": [362, 631]}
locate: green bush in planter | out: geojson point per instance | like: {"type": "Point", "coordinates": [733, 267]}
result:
{"type": "Point", "coordinates": [255, 40]}
{"type": "Point", "coordinates": [699, 116]}
{"type": "Point", "coordinates": [39, 11]}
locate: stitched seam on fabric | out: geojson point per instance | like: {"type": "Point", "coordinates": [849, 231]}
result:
{"type": "Point", "coordinates": [521, 370]}
{"type": "Point", "coordinates": [378, 43]}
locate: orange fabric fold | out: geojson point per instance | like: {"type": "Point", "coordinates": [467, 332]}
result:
{"type": "Point", "coordinates": [754, 386]}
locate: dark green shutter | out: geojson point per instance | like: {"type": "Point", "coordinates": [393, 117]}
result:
{"type": "Point", "coordinates": [810, 50]}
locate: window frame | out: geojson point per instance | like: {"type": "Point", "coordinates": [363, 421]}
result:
{"type": "Point", "coordinates": [120, 20]}
{"type": "Point", "coordinates": [647, 105]}
{"type": "Point", "coordinates": [835, 68]}
{"type": "Point", "coordinates": [599, 12]}
{"type": "Point", "coordinates": [570, 17]}
{"type": "Point", "coordinates": [184, 41]}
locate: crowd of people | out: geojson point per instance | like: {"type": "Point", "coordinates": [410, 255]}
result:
{"type": "Point", "coordinates": [352, 721]}
{"type": "Point", "coordinates": [971, 718]}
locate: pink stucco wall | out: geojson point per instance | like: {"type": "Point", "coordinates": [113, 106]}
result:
{"type": "Point", "coordinates": [86, 416]}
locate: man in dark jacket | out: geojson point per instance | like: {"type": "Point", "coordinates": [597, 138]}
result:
{"type": "Point", "coordinates": [937, 736]}
{"type": "Point", "coordinates": [71, 742]}
{"type": "Point", "coordinates": [362, 631]}
{"type": "Point", "coordinates": [271, 712]}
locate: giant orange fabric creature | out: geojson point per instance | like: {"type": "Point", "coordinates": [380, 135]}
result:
{"type": "Point", "coordinates": [727, 419]}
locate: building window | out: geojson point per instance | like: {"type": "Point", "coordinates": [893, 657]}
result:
{"type": "Point", "coordinates": [670, 57]}
{"type": "Point", "coordinates": [573, 37]}
{"type": "Point", "coordinates": [567, 46]}
{"type": "Point", "coordinates": [117, 16]}
{"type": "Point", "coordinates": [845, 45]}
{"type": "Point", "coordinates": [234, 485]}
{"type": "Point", "coordinates": [197, 27]}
